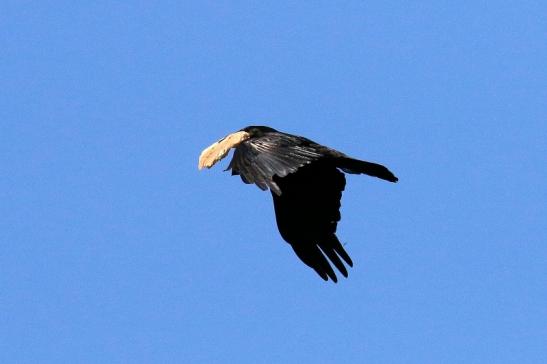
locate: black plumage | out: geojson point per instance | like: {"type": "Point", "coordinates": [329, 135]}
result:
{"type": "Point", "coordinates": [306, 183]}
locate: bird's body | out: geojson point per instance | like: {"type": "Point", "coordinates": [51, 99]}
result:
{"type": "Point", "coordinates": [306, 182]}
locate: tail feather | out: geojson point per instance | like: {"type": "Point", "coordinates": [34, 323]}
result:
{"type": "Point", "coordinates": [356, 166]}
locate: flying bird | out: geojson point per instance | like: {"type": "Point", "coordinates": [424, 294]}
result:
{"type": "Point", "coordinates": [306, 181]}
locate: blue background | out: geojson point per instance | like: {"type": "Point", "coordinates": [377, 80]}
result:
{"type": "Point", "coordinates": [114, 248]}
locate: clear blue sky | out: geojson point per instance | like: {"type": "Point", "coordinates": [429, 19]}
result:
{"type": "Point", "coordinates": [115, 249]}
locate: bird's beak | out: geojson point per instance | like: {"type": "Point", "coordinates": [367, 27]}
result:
{"type": "Point", "coordinates": [218, 150]}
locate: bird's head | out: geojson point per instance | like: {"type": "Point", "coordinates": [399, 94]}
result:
{"type": "Point", "coordinates": [220, 149]}
{"type": "Point", "coordinates": [256, 131]}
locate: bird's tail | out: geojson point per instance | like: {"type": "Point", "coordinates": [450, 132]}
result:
{"type": "Point", "coordinates": [356, 166]}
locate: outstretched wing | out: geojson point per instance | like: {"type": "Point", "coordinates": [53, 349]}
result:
{"type": "Point", "coordinates": [307, 212]}
{"type": "Point", "coordinates": [258, 160]}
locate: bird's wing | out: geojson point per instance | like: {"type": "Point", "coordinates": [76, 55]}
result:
{"type": "Point", "coordinates": [258, 160]}
{"type": "Point", "coordinates": [307, 212]}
